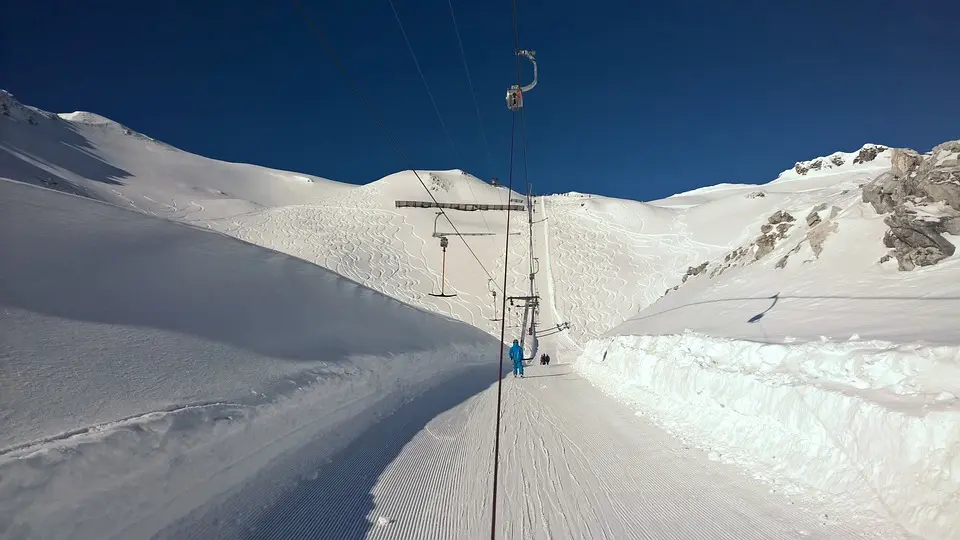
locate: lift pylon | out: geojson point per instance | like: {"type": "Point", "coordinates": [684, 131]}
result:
{"type": "Point", "coordinates": [443, 270]}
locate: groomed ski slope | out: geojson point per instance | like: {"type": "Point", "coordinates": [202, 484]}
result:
{"type": "Point", "coordinates": [574, 464]}
{"type": "Point", "coordinates": [602, 262]}
{"type": "Point", "coordinates": [815, 366]}
{"type": "Point", "coordinates": [329, 447]}
{"type": "Point", "coordinates": [148, 368]}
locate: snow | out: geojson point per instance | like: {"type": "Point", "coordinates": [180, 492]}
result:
{"type": "Point", "coordinates": [568, 470]}
{"type": "Point", "coordinates": [87, 154]}
{"type": "Point", "coordinates": [834, 372]}
{"type": "Point", "coordinates": [145, 359]}
{"type": "Point", "coordinates": [846, 163]}
{"type": "Point", "coordinates": [874, 423]}
{"type": "Point", "coordinates": [208, 387]}
{"type": "Point", "coordinates": [84, 117]}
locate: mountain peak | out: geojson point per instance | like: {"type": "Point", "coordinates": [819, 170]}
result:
{"type": "Point", "coordinates": [89, 118]}
{"type": "Point", "coordinates": [867, 156]}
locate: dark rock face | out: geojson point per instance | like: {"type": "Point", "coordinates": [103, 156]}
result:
{"type": "Point", "coordinates": [951, 225]}
{"type": "Point", "coordinates": [694, 271]}
{"type": "Point", "coordinates": [804, 168]}
{"type": "Point", "coordinates": [914, 183]}
{"type": "Point", "coordinates": [916, 242]}
{"type": "Point", "coordinates": [780, 217]}
{"type": "Point", "coordinates": [774, 230]}
{"type": "Point", "coordinates": [765, 245]}
{"type": "Point", "coordinates": [868, 154]}
{"type": "Point", "coordinates": [904, 162]}
{"type": "Point", "coordinates": [938, 176]}
{"type": "Point", "coordinates": [814, 216]}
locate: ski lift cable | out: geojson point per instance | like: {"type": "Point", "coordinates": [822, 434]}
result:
{"type": "Point", "coordinates": [496, 438]}
{"type": "Point", "coordinates": [473, 94]}
{"type": "Point", "coordinates": [383, 127]}
{"type": "Point", "coordinates": [503, 336]}
{"type": "Point", "coordinates": [433, 101]}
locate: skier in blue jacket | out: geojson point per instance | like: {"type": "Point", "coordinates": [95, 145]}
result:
{"type": "Point", "coordinates": [516, 354]}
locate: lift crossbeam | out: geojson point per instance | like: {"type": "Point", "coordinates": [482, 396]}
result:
{"type": "Point", "coordinates": [466, 207]}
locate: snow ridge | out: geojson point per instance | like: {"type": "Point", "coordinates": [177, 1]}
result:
{"type": "Point", "coordinates": [84, 117]}
{"type": "Point", "coordinates": [877, 422]}
{"type": "Point", "coordinates": [869, 156]}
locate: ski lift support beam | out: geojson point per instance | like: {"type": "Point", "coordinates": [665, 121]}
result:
{"type": "Point", "coordinates": [464, 207]}
{"type": "Point", "coordinates": [531, 300]}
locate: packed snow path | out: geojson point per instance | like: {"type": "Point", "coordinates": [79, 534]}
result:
{"type": "Point", "coordinates": [574, 464]}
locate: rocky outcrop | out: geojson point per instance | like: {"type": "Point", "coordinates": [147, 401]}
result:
{"type": "Point", "coordinates": [694, 271]}
{"type": "Point", "coordinates": [756, 195]}
{"type": "Point", "coordinates": [820, 227]}
{"type": "Point", "coordinates": [805, 167]}
{"type": "Point", "coordinates": [765, 244]}
{"type": "Point", "coordinates": [771, 233]}
{"type": "Point", "coordinates": [868, 153]}
{"type": "Point", "coordinates": [939, 175]}
{"type": "Point", "coordinates": [774, 230]}
{"type": "Point", "coordinates": [819, 234]}
{"type": "Point", "coordinates": [952, 225]}
{"type": "Point", "coordinates": [903, 162]}
{"type": "Point", "coordinates": [922, 194]}
{"type": "Point", "coordinates": [814, 216]}
{"type": "Point", "coordinates": [916, 242]}
{"type": "Point", "coordinates": [691, 271]}
{"type": "Point", "coordinates": [780, 217]}
{"type": "Point", "coordinates": [884, 193]}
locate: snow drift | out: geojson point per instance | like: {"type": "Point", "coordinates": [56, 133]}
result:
{"type": "Point", "coordinates": [149, 367]}
{"type": "Point", "coordinates": [803, 350]}
{"type": "Point", "coordinates": [875, 423]}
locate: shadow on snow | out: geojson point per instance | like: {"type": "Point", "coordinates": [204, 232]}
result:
{"type": "Point", "coordinates": [331, 497]}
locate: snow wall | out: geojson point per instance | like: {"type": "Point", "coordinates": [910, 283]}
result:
{"type": "Point", "coordinates": [149, 368]}
{"type": "Point", "coordinates": [871, 422]}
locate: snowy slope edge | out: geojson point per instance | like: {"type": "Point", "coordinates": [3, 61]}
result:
{"type": "Point", "coordinates": [872, 422]}
{"type": "Point", "coordinates": [150, 367]}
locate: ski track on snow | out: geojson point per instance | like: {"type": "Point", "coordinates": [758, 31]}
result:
{"type": "Point", "coordinates": [573, 464]}
{"type": "Point", "coordinates": [567, 471]}
{"type": "Point", "coordinates": [594, 290]}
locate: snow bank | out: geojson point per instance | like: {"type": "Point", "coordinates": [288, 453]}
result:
{"type": "Point", "coordinates": [150, 367]}
{"type": "Point", "coordinates": [863, 421]}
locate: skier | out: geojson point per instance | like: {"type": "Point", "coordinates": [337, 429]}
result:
{"type": "Point", "coordinates": [516, 354]}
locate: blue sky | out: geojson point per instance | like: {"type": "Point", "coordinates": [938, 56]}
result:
{"type": "Point", "coordinates": [636, 99]}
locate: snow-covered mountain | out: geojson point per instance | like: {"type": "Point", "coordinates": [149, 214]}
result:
{"type": "Point", "coordinates": [86, 154]}
{"type": "Point", "coordinates": [788, 326]}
